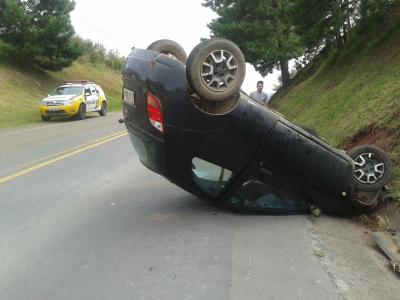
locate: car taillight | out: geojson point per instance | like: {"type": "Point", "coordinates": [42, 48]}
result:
{"type": "Point", "coordinates": [154, 112]}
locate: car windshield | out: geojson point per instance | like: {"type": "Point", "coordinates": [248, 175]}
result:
{"type": "Point", "coordinates": [68, 90]}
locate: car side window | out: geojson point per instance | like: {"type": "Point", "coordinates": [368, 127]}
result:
{"type": "Point", "coordinates": [258, 196]}
{"type": "Point", "coordinates": [87, 91]}
{"type": "Point", "coordinates": [211, 178]}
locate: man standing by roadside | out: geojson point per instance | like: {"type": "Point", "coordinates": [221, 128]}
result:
{"type": "Point", "coordinates": [258, 95]}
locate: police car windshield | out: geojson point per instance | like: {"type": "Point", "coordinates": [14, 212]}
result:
{"type": "Point", "coordinates": [68, 90]}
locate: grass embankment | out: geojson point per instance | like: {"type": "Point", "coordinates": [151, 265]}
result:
{"type": "Point", "coordinates": [22, 89]}
{"type": "Point", "coordinates": [352, 96]}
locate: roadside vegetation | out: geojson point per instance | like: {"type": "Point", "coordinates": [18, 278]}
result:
{"type": "Point", "coordinates": [97, 55]}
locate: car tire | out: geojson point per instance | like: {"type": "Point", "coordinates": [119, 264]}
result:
{"type": "Point", "coordinates": [373, 168]}
{"type": "Point", "coordinates": [169, 47]}
{"type": "Point", "coordinates": [215, 69]}
{"type": "Point", "coordinates": [365, 202]}
{"type": "Point", "coordinates": [103, 110]}
{"type": "Point", "coordinates": [81, 115]}
{"type": "Point", "coordinates": [46, 118]}
{"type": "Point", "coordinates": [311, 130]}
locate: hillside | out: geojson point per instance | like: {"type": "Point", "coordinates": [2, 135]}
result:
{"type": "Point", "coordinates": [352, 97]}
{"type": "Point", "coordinates": [22, 89]}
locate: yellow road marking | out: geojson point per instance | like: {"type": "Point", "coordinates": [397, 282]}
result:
{"type": "Point", "coordinates": [33, 162]}
{"type": "Point", "coordinates": [64, 156]}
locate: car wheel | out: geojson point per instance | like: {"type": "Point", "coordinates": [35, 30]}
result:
{"type": "Point", "coordinates": [366, 201]}
{"type": "Point", "coordinates": [81, 112]}
{"type": "Point", "coordinates": [170, 48]}
{"type": "Point", "coordinates": [46, 118]}
{"type": "Point", "coordinates": [103, 110]}
{"type": "Point", "coordinates": [215, 69]}
{"type": "Point", "coordinates": [311, 130]}
{"type": "Point", "coordinates": [372, 168]}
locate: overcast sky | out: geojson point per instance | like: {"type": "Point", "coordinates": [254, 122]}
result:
{"type": "Point", "coordinates": [122, 24]}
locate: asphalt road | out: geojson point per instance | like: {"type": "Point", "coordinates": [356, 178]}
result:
{"type": "Point", "coordinates": [81, 218]}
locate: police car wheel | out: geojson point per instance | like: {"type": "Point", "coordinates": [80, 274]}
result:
{"type": "Point", "coordinates": [103, 110]}
{"type": "Point", "coordinates": [81, 112]}
{"type": "Point", "coordinates": [46, 118]}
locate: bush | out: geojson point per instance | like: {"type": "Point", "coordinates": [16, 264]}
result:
{"type": "Point", "coordinates": [97, 54]}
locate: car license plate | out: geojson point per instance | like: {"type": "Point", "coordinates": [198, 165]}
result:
{"type": "Point", "coordinates": [129, 97]}
{"type": "Point", "coordinates": [53, 109]}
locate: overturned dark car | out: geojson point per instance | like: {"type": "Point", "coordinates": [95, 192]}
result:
{"type": "Point", "coordinates": [189, 121]}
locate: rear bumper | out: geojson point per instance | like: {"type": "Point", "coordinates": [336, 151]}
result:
{"type": "Point", "coordinates": [150, 149]}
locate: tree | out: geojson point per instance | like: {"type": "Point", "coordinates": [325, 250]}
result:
{"type": "Point", "coordinates": [262, 29]}
{"type": "Point", "coordinates": [38, 33]}
{"type": "Point", "coordinates": [321, 22]}
{"type": "Point", "coordinates": [372, 12]}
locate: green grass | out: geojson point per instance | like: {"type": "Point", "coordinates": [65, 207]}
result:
{"type": "Point", "coordinates": [23, 89]}
{"type": "Point", "coordinates": [349, 92]}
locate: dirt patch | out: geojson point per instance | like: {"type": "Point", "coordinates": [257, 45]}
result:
{"type": "Point", "coordinates": [385, 218]}
{"type": "Point", "coordinates": [379, 137]}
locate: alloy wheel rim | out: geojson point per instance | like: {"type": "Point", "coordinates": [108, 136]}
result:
{"type": "Point", "coordinates": [219, 70]}
{"type": "Point", "coordinates": [368, 169]}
